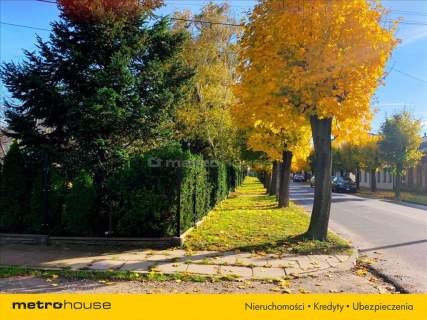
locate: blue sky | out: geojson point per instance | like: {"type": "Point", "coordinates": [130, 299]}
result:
{"type": "Point", "coordinates": [406, 84]}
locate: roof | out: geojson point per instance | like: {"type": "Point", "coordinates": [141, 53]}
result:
{"type": "Point", "coordinates": [423, 145]}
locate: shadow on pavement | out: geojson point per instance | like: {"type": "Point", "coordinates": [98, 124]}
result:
{"type": "Point", "coordinates": [394, 245]}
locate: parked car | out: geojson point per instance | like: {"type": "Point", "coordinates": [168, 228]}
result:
{"type": "Point", "coordinates": [343, 184]}
{"type": "Point", "coordinates": [298, 177]}
{"type": "Point", "coordinates": [313, 181]}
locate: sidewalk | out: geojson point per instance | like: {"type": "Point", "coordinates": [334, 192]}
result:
{"type": "Point", "coordinates": [211, 263]}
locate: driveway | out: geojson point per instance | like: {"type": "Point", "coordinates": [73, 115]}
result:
{"type": "Point", "coordinates": [394, 235]}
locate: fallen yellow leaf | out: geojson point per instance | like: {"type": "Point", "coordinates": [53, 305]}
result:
{"type": "Point", "coordinates": [361, 272]}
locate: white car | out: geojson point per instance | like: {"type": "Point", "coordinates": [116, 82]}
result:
{"type": "Point", "coordinates": [298, 177]}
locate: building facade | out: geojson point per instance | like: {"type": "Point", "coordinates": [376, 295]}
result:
{"type": "Point", "coordinates": [5, 143]}
{"type": "Point", "coordinates": [415, 178]}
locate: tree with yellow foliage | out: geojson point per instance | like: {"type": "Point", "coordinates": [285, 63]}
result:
{"type": "Point", "coordinates": [399, 145]}
{"type": "Point", "coordinates": [275, 127]}
{"type": "Point", "coordinates": [371, 159]}
{"type": "Point", "coordinates": [283, 141]}
{"type": "Point", "coordinates": [323, 59]}
{"type": "Point", "coordinates": [205, 120]}
{"type": "Point", "coordinates": [347, 157]}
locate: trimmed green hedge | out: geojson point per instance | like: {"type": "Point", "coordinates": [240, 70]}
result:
{"type": "Point", "coordinates": [150, 190]}
{"type": "Point", "coordinates": [146, 195]}
{"type": "Point", "coordinates": [235, 176]}
{"type": "Point", "coordinates": [15, 192]}
{"type": "Point", "coordinates": [33, 221]}
{"type": "Point", "coordinates": [79, 217]}
{"type": "Point", "coordinates": [194, 192]}
{"type": "Point", "coordinates": [219, 182]}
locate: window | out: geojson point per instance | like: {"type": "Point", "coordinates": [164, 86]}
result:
{"type": "Point", "coordinates": [385, 173]}
{"type": "Point", "coordinates": [365, 176]}
{"type": "Point", "coordinates": [379, 176]}
{"type": "Point", "coordinates": [390, 177]}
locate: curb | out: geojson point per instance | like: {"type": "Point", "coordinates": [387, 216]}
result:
{"type": "Point", "coordinates": [387, 279]}
{"type": "Point", "coordinates": [390, 200]}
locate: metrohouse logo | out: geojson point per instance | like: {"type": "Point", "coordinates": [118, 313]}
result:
{"type": "Point", "coordinates": [61, 305]}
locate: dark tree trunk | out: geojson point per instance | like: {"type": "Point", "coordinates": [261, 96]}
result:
{"type": "Point", "coordinates": [279, 174]}
{"type": "Point", "coordinates": [264, 179]}
{"type": "Point", "coordinates": [261, 178]}
{"type": "Point", "coordinates": [273, 185]}
{"type": "Point", "coordinates": [398, 185]}
{"type": "Point", "coordinates": [373, 180]}
{"type": "Point", "coordinates": [267, 182]}
{"type": "Point", "coordinates": [319, 221]}
{"type": "Point", "coordinates": [357, 178]}
{"type": "Point", "coordinates": [285, 172]}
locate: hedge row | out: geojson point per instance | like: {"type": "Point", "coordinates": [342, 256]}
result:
{"type": "Point", "coordinates": [144, 196]}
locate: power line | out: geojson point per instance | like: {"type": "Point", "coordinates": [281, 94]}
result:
{"type": "Point", "coordinates": [410, 75]}
{"type": "Point", "coordinates": [202, 3]}
{"type": "Point", "coordinates": [241, 25]}
{"type": "Point", "coordinates": [188, 20]}
{"type": "Point", "coordinates": [204, 21]}
{"type": "Point", "coordinates": [23, 26]}
{"type": "Point", "coordinates": [417, 23]}
{"type": "Point", "coordinates": [414, 13]}
{"type": "Point", "coordinates": [194, 21]}
{"type": "Point", "coordinates": [47, 1]}
{"type": "Point", "coordinates": [179, 19]}
{"type": "Point", "coordinates": [207, 22]}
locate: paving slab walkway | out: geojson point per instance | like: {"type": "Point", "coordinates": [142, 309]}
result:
{"type": "Point", "coordinates": [211, 263]}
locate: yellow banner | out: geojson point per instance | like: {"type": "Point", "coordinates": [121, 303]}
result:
{"type": "Point", "coordinates": [218, 307]}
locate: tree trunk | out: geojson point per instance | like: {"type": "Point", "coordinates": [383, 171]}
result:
{"type": "Point", "coordinates": [322, 129]}
{"type": "Point", "coordinates": [267, 182]}
{"type": "Point", "coordinates": [264, 179]}
{"type": "Point", "coordinates": [279, 174]}
{"type": "Point", "coordinates": [357, 178]}
{"type": "Point", "coordinates": [273, 185]}
{"type": "Point", "coordinates": [373, 180]}
{"type": "Point", "coordinates": [285, 172]}
{"type": "Point", "coordinates": [398, 185]}
{"type": "Point", "coordinates": [261, 178]}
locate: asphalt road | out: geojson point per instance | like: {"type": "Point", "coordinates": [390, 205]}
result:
{"type": "Point", "coordinates": [395, 234]}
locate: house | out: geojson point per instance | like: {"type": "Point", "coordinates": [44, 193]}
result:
{"type": "Point", "coordinates": [5, 143]}
{"type": "Point", "coordinates": [415, 178]}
